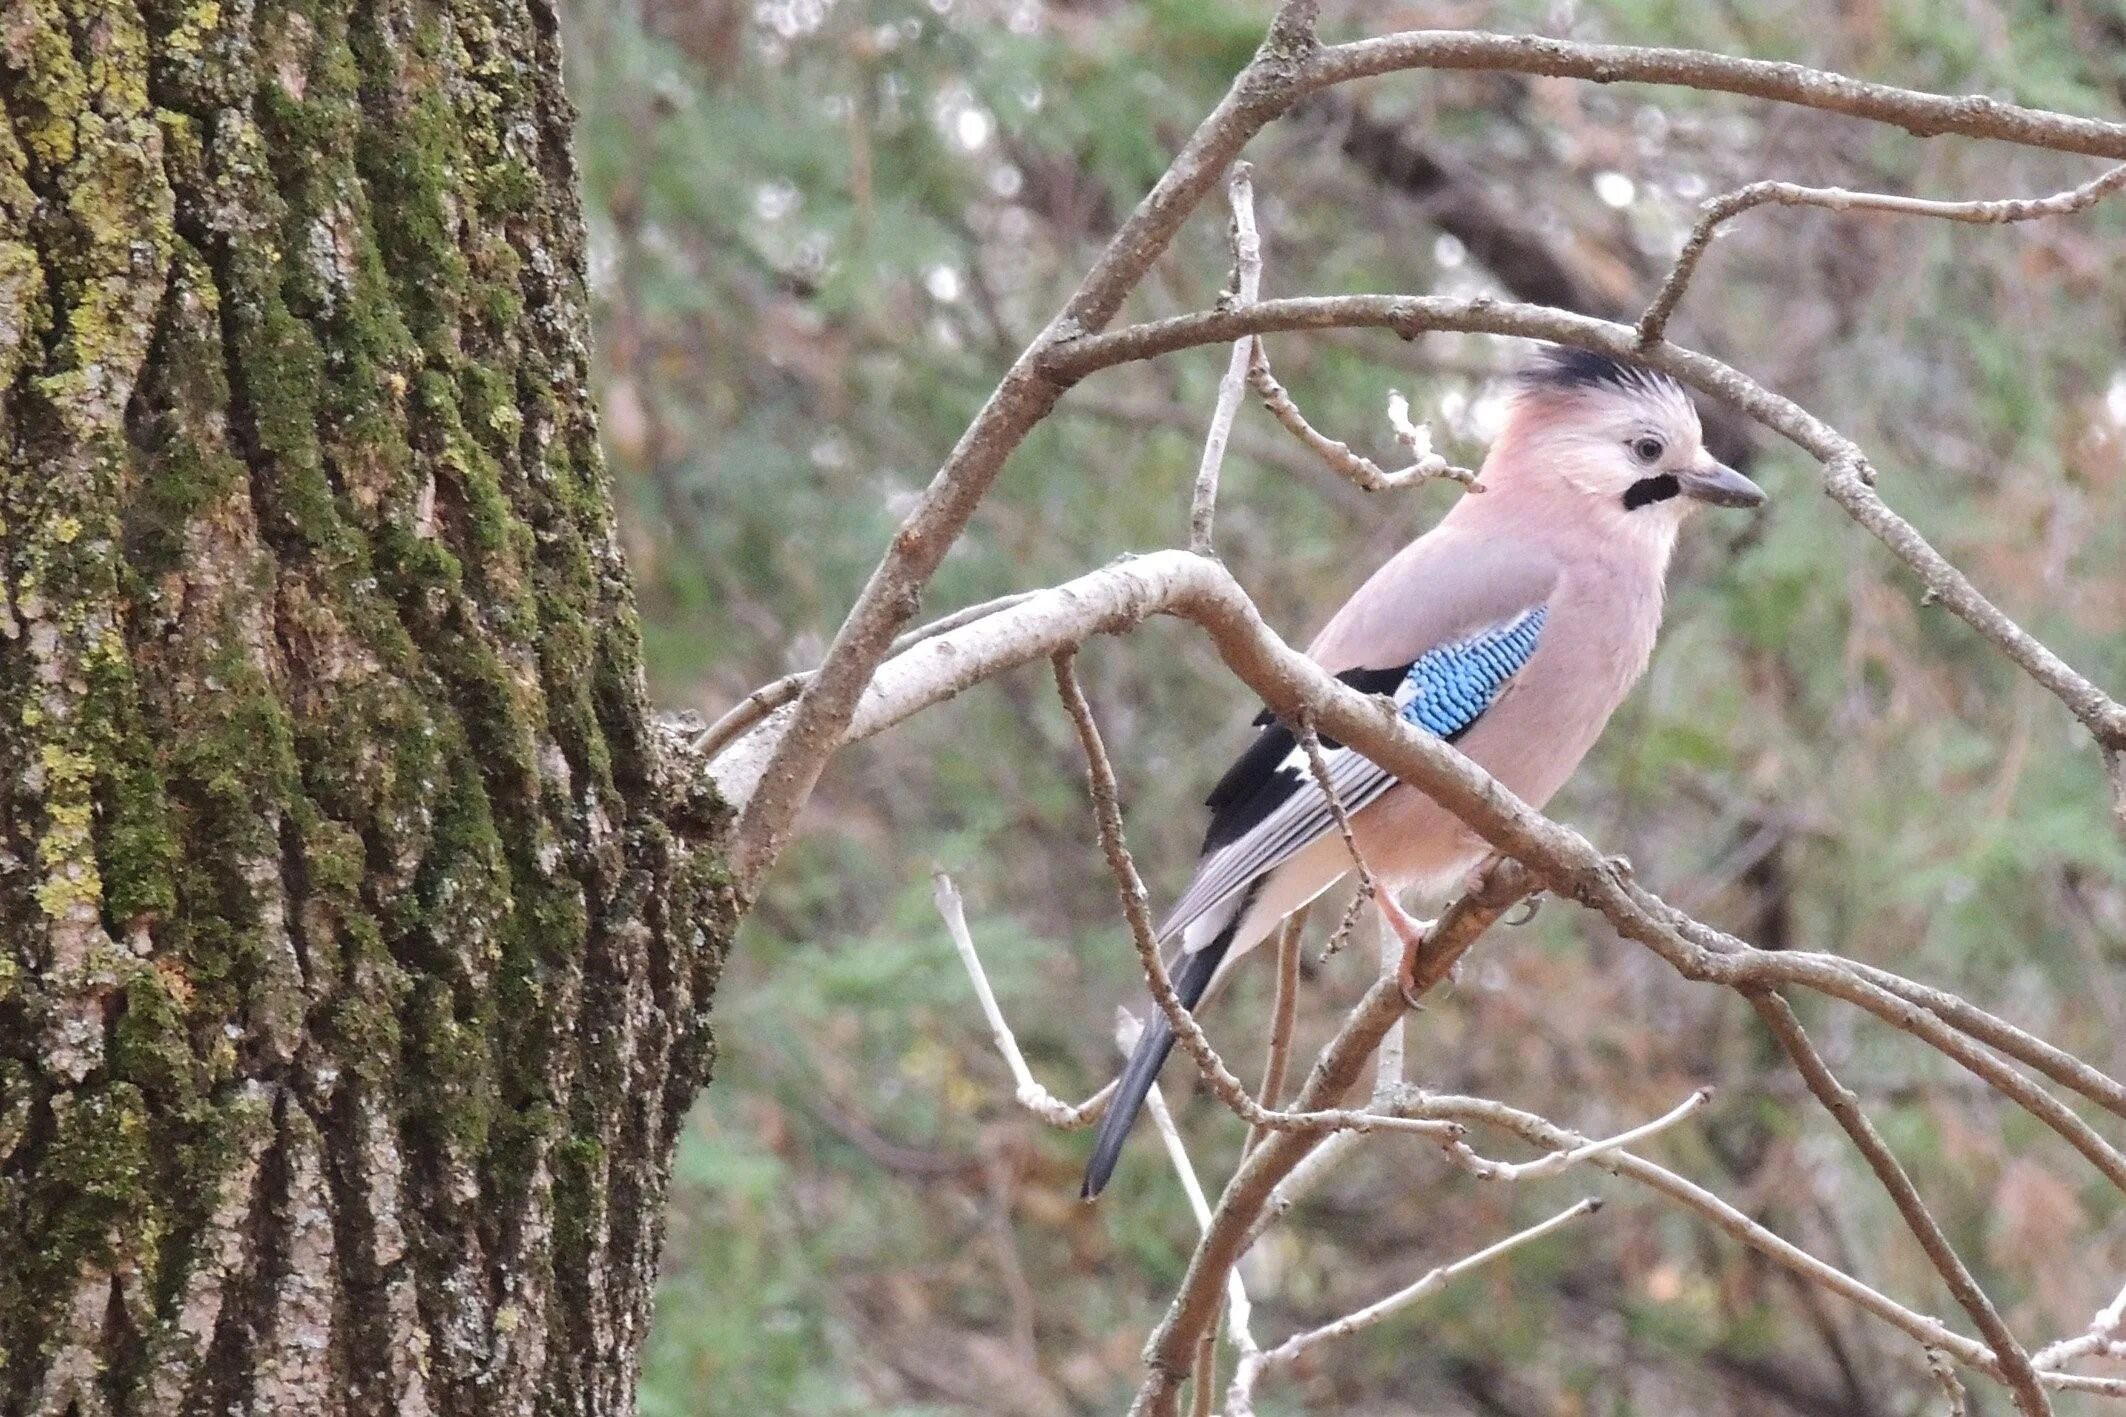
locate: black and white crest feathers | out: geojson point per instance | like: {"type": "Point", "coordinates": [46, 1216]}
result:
{"type": "Point", "coordinates": [1565, 369]}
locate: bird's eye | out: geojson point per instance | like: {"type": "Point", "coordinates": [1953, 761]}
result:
{"type": "Point", "coordinates": [1648, 449]}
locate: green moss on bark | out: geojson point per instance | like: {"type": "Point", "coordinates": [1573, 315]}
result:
{"type": "Point", "coordinates": [327, 743]}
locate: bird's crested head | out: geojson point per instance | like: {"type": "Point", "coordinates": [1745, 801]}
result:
{"type": "Point", "coordinates": [1614, 431]}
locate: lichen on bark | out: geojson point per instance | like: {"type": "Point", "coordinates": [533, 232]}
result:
{"type": "Point", "coordinates": [356, 939]}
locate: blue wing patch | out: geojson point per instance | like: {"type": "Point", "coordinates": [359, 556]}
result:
{"type": "Point", "coordinates": [1267, 806]}
{"type": "Point", "coordinates": [1448, 687]}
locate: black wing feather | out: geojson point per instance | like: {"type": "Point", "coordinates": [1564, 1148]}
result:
{"type": "Point", "coordinates": [1258, 782]}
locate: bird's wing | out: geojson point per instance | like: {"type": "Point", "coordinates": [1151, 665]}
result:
{"type": "Point", "coordinates": [1448, 583]}
{"type": "Point", "coordinates": [1270, 805]}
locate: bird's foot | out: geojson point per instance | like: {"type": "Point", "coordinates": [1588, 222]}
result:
{"type": "Point", "coordinates": [1412, 932]}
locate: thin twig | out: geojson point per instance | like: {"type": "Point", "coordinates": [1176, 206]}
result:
{"type": "Point", "coordinates": [1238, 1310]}
{"type": "Point", "coordinates": [1247, 289]}
{"type": "Point", "coordinates": [2084, 1382]}
{"type": "Point", "coordinates": [1924, 114]}
{"type": "Point", "coordinates": [1293, 1348]}
{"type": "Point", "coordinates": [1388, 1061]}
{"type": "Point", "coordinates": [1787, 194]}
{"type": "Point", "coordinates": [1334, 1073]}
{"type": "Point", "coordinates": [1107, 812]}
{"type": "Point", "coordinates": [2115, 772]}
{"type": "Point", "coordinates": [1345, 924]}
{"type": "Point", "coordinates": [1952, 1387]}
{"type": "Point", "coordinates": [2022, 1379]}
{"type": "Point", "coordinates": [1925, 1329]}
{"type": "Point", "coordinates": [1368, 887]}
{"type": "Point", "coordinates": [1354, 467]}
{"type": "Point", "coordinates": [1557, 1161]}
{"type": "Point", "coordinates": [2102, 1337]}
{"type": "Point", "coordinates": [773, 695]}
{"type": "Point", "coordinates": [1031, 1095]}
{"type": "Point", "coordinates": [1284, 1008]}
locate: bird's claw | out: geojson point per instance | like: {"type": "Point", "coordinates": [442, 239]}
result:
{"type": "Point", "coordinates": [1413, 933]}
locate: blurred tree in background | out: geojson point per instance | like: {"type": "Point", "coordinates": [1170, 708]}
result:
{"type": "Point", "coordinates": [820, 231]}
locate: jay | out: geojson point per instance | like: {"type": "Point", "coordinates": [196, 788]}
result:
{"type": "Point", "coordinates": [1512, 630]}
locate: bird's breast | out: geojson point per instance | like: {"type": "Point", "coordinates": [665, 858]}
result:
{"type": "Point", "coordinates": [1595, 645]}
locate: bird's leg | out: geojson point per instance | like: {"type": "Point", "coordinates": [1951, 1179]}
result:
{"type": "Point", "coordinates": [1411, 931]}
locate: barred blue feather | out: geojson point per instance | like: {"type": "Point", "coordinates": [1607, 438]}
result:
{"type": "Point", "coordinates": [1448, 687]}
{"type": "Point", "coordinates": [1269, 807]}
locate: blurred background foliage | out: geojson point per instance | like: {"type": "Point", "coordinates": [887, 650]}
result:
{"type": "Point", "coordinates": [822, 229]}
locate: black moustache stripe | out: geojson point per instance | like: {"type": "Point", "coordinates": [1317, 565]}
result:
{"type": "Point", "coordinates": [1648, 490]}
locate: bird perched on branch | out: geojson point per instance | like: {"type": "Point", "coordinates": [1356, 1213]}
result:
{"type": "Point", "coordinates": [1512, 629]}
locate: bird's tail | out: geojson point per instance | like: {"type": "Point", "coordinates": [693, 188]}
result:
{"type": "Point", "coordinates": [1142, 1070]}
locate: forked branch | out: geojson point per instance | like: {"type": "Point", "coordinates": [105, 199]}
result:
{"type": "Point", "coordinates": [1654, 323]}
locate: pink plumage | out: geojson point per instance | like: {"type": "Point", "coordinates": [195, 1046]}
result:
{"type": "Point", "coordinates": [1516, 626]}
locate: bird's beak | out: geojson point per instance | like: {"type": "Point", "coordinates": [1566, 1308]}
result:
{"type": "Point", "coordinates": [1720, 485]}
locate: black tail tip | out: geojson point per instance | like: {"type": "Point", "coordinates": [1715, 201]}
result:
{"type": "Point", "coordinates": [1098, 1172]}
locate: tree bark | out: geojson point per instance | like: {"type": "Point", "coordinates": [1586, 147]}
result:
{"type": "Point", "coordinates": [356, 935]}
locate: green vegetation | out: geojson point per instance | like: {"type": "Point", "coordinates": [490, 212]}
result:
{"type": "Point", "coordinates": [819, 233]}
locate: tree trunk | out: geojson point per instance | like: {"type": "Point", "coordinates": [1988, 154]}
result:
{"type": "Point", "coordinates": [358, 939]}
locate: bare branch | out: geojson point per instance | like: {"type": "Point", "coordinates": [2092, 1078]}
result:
{"type": "Point", "coordinates": [1847, 475]}
{"type": "Point", "coordinates": [749, 711]}
{"type": "Point", "coordinates": [1952, 1387]}
{"type": "Point", "coordinates": [2056, 1063]}
{"type": "Point", "coordinates": [1389, 1063]}
{"type": "Point", "coordinates": [2102, 1337]}
{"type": "Point", "coordinates": [1247, 289]}
{"type": "Point", "coordinates": [793, 762]}
{"type": "Point", "coordinates": [2083, 1382]}
{"type": "Point", "coordinates": [2021, 1378]}
{"type": "Point", "coordinates": [1335, 1072]}
{"type": "Point", "coordinates": [1928, 1331]}
{"type": "Point", "coordinates": [1123, 595]}
{"type": "Point", "coordinates": [1238, 1311]}
{"type": "Point", "coordinates": [1837, 199]}
{"type": "Point", "coordinates": [1284, 1006]}
{"type": "Point", "coordinates": [1353, 467]}
{"type": "Point", "coordinates": [1310, 743]}
{"type": "Point", "coordinates": [1289, 64]}
{"type": "Point", "coordinates": [1922, 114]}
{"type": "Point", "coordinates": [1031, 1095]}
{"type": "Point", "coordinates": [771, 696]}
{"type": "Point", "coordinates": [1345, 924]}
{"type": "Point", "coordinates": [1295, 1347]}
{"type": "Point", "coordinates": [1107, 812]}
{"type": "Point", "coordinates": [1204, 1378]}
{"type": "Point", "coordinates": [1756, 968]}
{"type": "Point", "coordinates": [2115, 770]}
{"type": "Point", "coordinates": [1559, 1160]}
